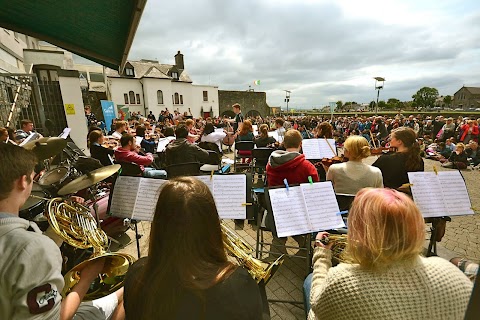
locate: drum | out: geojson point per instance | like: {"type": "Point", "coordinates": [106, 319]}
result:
{"type": "Point", "coordinates": [33, 208]}
{"type": "Point", "coordinates": [111, 225]}
{"type": "Point", "coordinates": [53, 179]}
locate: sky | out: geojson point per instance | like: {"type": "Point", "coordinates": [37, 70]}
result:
{"type": "Point", "coordinates": [320, 50]}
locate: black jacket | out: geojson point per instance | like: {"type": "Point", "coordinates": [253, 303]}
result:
{"type": "Point", "coordinates": [181, 151]}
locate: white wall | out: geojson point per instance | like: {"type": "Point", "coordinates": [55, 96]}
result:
{"type": "Point", "coordinates": [119, 86]}
{"type": "Point", "coordinates": [71, 94]}
{"type": "Point", "coordinates": [197, 94]}
{"type": "Point", "coordinates": [150, 87]}
{"type": "Point", "coordinates": [54, 58]}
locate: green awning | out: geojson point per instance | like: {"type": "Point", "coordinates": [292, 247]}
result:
{"type": "Point", "coordinates": [99, 30]}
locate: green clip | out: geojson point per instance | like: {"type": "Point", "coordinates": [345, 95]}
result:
{"type": "Point", "coordinates": [310, 179]}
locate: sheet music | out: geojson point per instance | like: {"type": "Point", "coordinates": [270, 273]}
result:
{"type": "Point", "coordinates": [322, 206]}
{"type": "Point", "coordinates": [326, 147]}
{"type": "Point", "coordinates": [147, 198]}
{"type": "Point", "coordinates": [138, 140]}
{"type": "Point", "coordinates": [230, 194]}
{"type": "Point", "coordinates": [455, 194]}
{"type": "Point", "coordinates": [32, 136]}
{"type": "Point", "coordinates": [65, 133]}
{"type": "Point", "coordinates": [318, 148]}
{"type": "Point", "coordinates": [427, 194]}
{"type": "Point", "coordinates": [124, 196]}
{"type": "Point", "coordinates": [162, 143]}
{"type": "Point", "coordinates": [289, 211]}
{"type": "Point", "coordinates": [255, 130]}
{"type": "Point", "coordinates": [208, 180]}
{"type": "Point", "coordinates": [274, 134]}
{"type": "Point", "coordinates": [311, 149]}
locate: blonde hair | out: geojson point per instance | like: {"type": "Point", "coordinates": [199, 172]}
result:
{"type": "Point", "coordinates": [460, 145]}
{"type": "Point", "coordinates": [384, 227]}
{"type": "Point", "coordinates": [189, 122]}
{"type": "Point", "coordinates": [357, 147]}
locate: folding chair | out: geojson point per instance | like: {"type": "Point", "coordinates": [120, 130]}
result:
{"type": "Point", "coordinates": [260, 158]}
{"type": "Point", "coordinates": [130, 169]}
{"type": "Point", "coordinates": [242, 146]}
{"type": "Point", "coordinates": [183, 169]}
{"type": "Point", "coordinates": [213, 162]}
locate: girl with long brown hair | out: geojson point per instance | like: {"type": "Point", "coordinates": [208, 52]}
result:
{"type": "Point", "coordinates": [395, 166]}
{"type": "Point", "coordinates": [187, 274]}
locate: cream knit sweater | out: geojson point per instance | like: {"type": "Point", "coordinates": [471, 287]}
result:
{"type": "Point", "coordinates": [427, 288]}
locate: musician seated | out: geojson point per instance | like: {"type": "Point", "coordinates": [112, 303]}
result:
{"type": "Point", "coordinates": [187, 274]}
{"type": "Point", "coordinates": [31, 262]}
{"type": "Point", "coordinates": [121, 128]}
{"type": "Point", "coordinates": [146, 144]}
{"type": "Point", "coordinates": [210, 135]}
{"type": "Point", "coordinates": [192, 131]}
{"type": "Point", "coordinates": [128, 152]}
{"type": "Point", "coordinates": [384, 276]}
{"type": "Point", "coordinates": [97, 150]}
{"type": "Point", "coordinates": [349, 177]}
{"type": "Point", "coordinates": [263, 139]}
{"type": "Point", "coordinates": [181, 151]}
{"type": "Point", "coordinates": [290, 164]}
{"type": "Point", "coordinates": [26, 129]}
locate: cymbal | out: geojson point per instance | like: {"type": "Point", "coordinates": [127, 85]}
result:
{"type": "Point", "coordinates": [88, 180]}
{"type": "Point", "coordinates": [45, 148]}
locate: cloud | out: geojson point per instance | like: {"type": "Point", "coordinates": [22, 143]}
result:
{"type": "Point", "coordinates": [321, 50]}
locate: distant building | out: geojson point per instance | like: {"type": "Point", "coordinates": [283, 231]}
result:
{"type": "Point", "coordinates": [11, 50]}
{"type": "Point", "coordinates": [148, 85]}
{"type": "Point", "coordinates": [253, 103]}
{"type": "Point", "coordinates": [467, 98]}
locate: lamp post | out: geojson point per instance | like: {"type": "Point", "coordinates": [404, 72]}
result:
{"type": "Point", "coordinates": [287, 98]}
{"type": "Point", "coordinates": [379, 81]}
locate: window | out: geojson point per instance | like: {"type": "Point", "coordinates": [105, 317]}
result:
{"type": "Point", "coordinates": [125, 96]}
{"type": "Point", "coordinates": [181, 99]}
{"type": "Point", "coordinates": [205, 95]}
{"type": "Point", "coordinates": [175, 75]}
{"type": "Point", "coordinates": [177, 98]}
{"type": "Point", "coordinates": [131, 94]}
{"type": "Point", "coordinates": [129, 72]}
{"type": "Point", "coordinates": [173, 100]}
{"type": "Point", "coordinates": [159, 97]}
{"type": "Point", "coordinates": [96, 77]}
{"type": "Point", "coordinates": [138, 98]}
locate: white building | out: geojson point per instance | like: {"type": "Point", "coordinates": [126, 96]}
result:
{"type": "Point", "coordinates": [147, 85]}
{"type": "Point", "coordinates": [11, 50]}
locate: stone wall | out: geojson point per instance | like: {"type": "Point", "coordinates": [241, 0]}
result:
{"type": "Point", "coordinates": [251, 102]}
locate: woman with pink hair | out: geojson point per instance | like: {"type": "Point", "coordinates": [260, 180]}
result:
{"type": "Point", "coordinates": [384, 276]}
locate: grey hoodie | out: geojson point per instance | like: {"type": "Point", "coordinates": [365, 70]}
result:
{"type": "Point", "coordinates": [279, 157]}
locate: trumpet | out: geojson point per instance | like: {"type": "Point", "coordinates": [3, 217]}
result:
{"type": "Point", "coordinates": [243, 252]}
{"type": "Point", "coordinates": [338, 247]}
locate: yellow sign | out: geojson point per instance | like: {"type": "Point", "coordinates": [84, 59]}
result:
{"type": "Point", "coordinates": [70, 108]}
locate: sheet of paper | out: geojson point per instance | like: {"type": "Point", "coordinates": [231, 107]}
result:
{"type": "Point", "coordinates": [138, 140]}
{"type": "Point", "coordinates": [147, 198]}
{"type": "Point", "coordinates": [162, 143]}
{"type": "Point", "coordinates": [124, 196]}
{"type": "Point", "coordinates": [274, 134]}
{"type": "Point", "coordinates": [427, 194]}
{"type": "Point", "coordinates": [326, 147]}
{"type": "Point", "coordinates": [207, 180]}
{"type": "Point", "coordinates": [230, 194]}
{"type": "Point", "coordinates": [255, 130]}
{"type": "Point", "coordinates": [31, 137]}
{"type": "Point", "coordinates": [322, 206]}
{"type": "Point", "coordinates": [455, 194]}
{"type": "Point", "coordinates": [311, 149]}
{"type": "Point", "coordinates": [65, 133]}
{"type": "Point", "coordinates": [289, 211]}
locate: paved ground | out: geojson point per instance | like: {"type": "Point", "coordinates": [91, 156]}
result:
{"type": "Point", "coordinates": [462, 238]}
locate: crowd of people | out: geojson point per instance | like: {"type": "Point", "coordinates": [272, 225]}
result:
{"type": "Point", "coordinates": [187, 273]}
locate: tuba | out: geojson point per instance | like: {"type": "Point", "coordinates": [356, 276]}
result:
{"type": "Point", "coordinates": [243, 252]}
{"type": "Point", "coordinates": [78, 228]}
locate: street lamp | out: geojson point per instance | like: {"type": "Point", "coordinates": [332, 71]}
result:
{"type": "Point", "coordinates": [379, 81]}
{"type": "Point", "coordinates": [287, 98]}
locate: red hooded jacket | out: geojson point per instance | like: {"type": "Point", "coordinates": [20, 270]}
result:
{"type": "Point", "coordinates": [291, 166]}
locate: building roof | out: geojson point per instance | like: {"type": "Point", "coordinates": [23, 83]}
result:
{"type": "Point", "coordinates": [473, 90]}
{"type": "Point", "coordinates": [151, 69]}
{"type": "Point", "coordinates": [101, 31]}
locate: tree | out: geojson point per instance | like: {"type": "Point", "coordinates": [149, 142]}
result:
{"type": "Point", "coordinates": [339, 104]}
{"type": "Point", "coordinates": [393, 104]}
{"type": "Point", "coordinates": [371, 105]}
{"type": "Point", "coordinates": [447, 100]}
{"type": "Point", "coordinates": [425, 97]}
{"type": "Point", "coordinates": [381, 105]}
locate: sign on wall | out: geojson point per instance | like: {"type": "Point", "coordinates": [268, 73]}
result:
{"type": "Point", "coordinates": [123, 112]}
{"type": "Point", "coordinates": [108, 110]}
{"type": "Point", "coordinates": [69, 109]}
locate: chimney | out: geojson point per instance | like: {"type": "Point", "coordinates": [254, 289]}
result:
{"type": "Point", "coordinates": [179, 61]}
